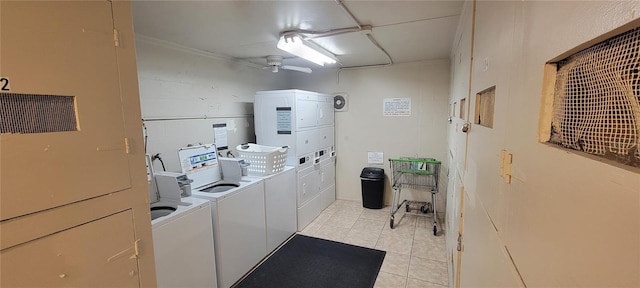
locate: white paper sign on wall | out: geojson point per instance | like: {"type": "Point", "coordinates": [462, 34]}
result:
{"type": "Point", "coordinates": [396, 107]}
{"type": "Point", "coordinates": [220, 136]}
{"type": "Point", "coordinates": [375, 157]}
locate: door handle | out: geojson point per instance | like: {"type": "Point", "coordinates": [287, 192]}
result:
{"type": "Point", "coordinates": [465, 127]}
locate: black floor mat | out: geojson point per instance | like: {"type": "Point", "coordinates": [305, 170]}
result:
{"type": "Point", "coordinates": [306, 262]}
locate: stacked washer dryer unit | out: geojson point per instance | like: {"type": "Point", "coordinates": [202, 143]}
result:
{"type": "Point", "coordinates": [304, 121]}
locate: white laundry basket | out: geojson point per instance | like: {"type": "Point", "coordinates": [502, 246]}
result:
{"type": "Point", "coordinates": [263, 160]}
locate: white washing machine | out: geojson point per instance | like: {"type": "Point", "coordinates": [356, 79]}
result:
{"type": "Point", "coordinates": [237, 213]}
{"type": "Point", "coordinates": [239, 228]}
{"type": "Point", "coordinates": [251, 221]}
{"type": "Point", "coordinates": [280, 206]}
{"type": "Point", "coordinates": [183, 245]}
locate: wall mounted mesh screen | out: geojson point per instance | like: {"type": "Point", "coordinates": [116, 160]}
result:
{"type": "Point", "coordinates": [29, 113]}
{"type": "Point", "coordinates": [596, 105]}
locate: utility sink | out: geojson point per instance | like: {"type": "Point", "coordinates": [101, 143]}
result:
{"type": "Point", "coordinates": [160, 211]}
{"type": "Point", "coordinates": [221, 187]}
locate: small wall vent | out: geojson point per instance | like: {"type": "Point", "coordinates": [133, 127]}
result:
{"type": "Point", "coordinates": [29, 113]}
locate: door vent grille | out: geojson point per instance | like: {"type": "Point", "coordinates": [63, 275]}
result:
{"type": "Point", "coordinates": [30, 113]}
{"type": "Point", "coordinates": [596, 107]}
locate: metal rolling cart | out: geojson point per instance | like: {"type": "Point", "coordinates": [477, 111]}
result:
{"type": "Point", "coordinates": [419, 174]}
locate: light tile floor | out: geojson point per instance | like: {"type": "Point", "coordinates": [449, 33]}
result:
{"type": "Point", "coordinates": [415, 257]}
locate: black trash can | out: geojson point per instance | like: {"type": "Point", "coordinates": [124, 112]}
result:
{"type": "Point", "coordinates": [372, 179]}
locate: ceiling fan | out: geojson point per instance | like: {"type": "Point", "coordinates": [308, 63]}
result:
{"type": "Point", "coordinates": [275, 63]}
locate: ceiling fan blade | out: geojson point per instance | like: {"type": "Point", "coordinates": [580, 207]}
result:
{"type": "Point", "coordinates": [296, 68]}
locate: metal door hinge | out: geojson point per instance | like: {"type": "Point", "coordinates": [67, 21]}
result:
{"type": "Point", "coordinates": [115, 147]}
{"type": "Point", "coordinates": [506, 159]}
{"type": "Point", "coordinates": [126, 145]}
{"type": "Point", "coordinates": [116, 37]}
{"type": "Point", "coordinates": [136, 252]}
{"type": "Point", "coordinates": [136, 249]}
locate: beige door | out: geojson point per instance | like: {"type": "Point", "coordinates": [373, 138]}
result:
{"type": "Point", "coordinates": [455, 193]}
{"type": "Point", "coordinates": [64, 49]}
{"type": "Point", "coordinates": [485, 259]}
{"type": "Point", "coordinates": [459, 113]}
{"type": "Point", "coordinates": [78, 257]}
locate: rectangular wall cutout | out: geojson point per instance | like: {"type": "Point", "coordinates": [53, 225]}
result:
{"type": "Point", "coordinates": [485, 102]}
{"type": "Point", "coordinates": [29, 113]}
{"type": "Point", "coordinates": [463, 106]}
{"type": "Point", "coordinates": [591, 100]}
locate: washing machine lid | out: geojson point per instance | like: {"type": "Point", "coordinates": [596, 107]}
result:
{"type": "Point", "coordinates": [185, 206]}
{"type": "Point", "coordinates": [200, 164]}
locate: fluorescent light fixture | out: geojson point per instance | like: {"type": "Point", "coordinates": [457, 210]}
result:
{"type": "Point", "coordinates": [307, 50]}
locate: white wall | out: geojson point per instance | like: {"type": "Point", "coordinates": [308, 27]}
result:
{"type": "Point", "coordinates": [363, 128]}
{"type": "Point", "coordinates": [565, 220]}
{"type": "Point", "coordinates": [180, 87]}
